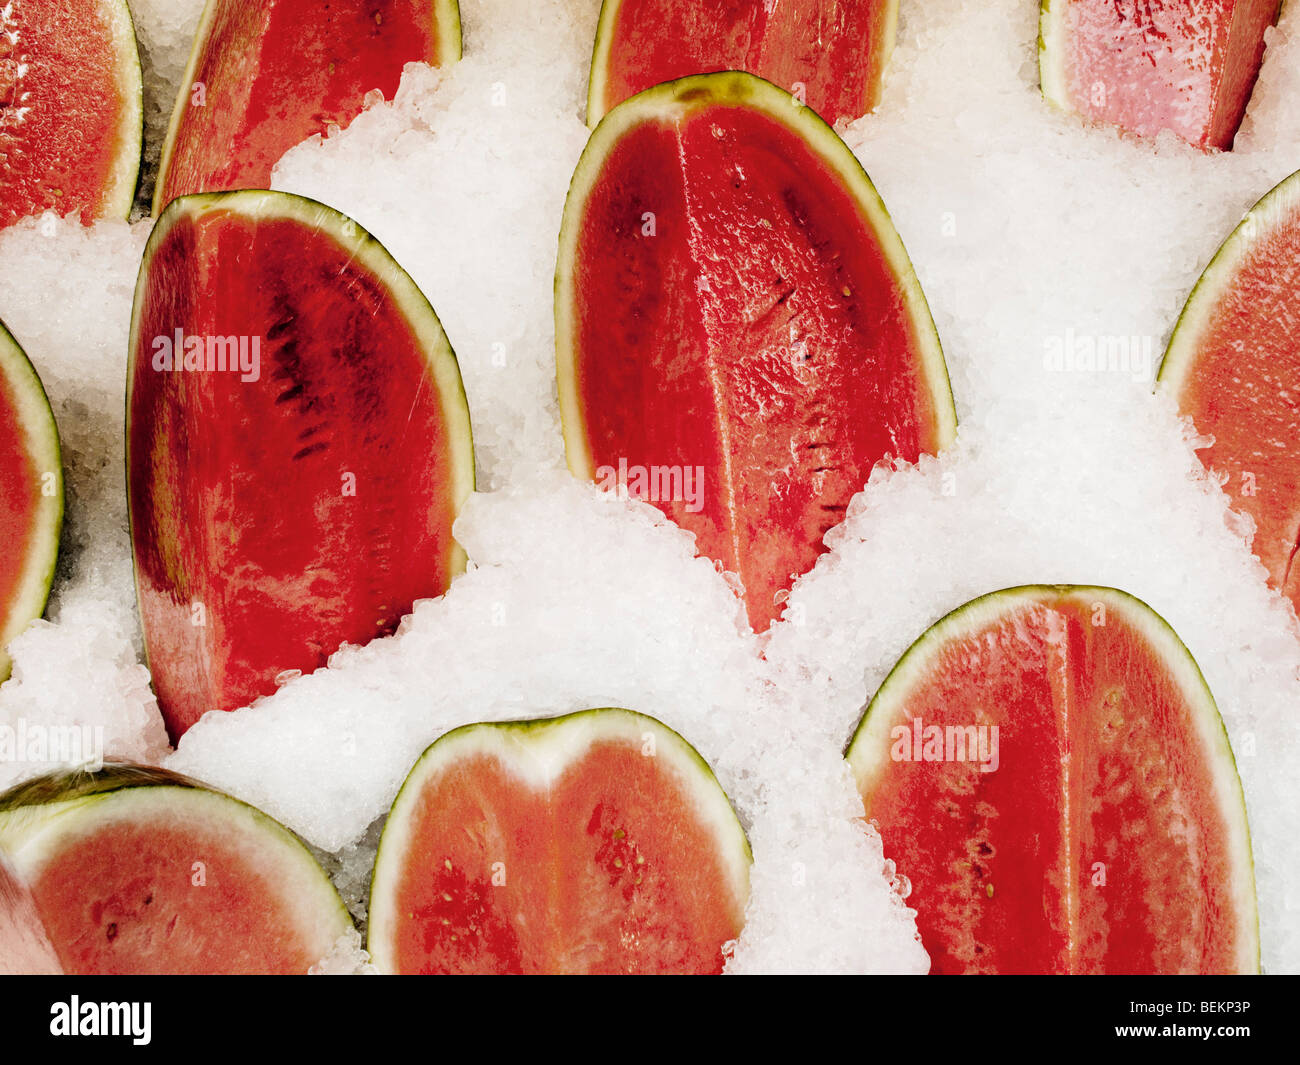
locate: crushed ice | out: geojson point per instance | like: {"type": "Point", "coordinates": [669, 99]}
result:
{"type": "Point", "coordinates": [1055, 258]}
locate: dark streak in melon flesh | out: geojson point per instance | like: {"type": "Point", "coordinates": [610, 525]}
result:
{"type": "Point", "coordinates": [761, 333]}
{"type": "Point", "coordinates": [239, 490]}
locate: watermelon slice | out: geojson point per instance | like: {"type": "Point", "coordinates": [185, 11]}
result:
{"type": "Point", "coordinates": [1047, 767]}
{"type": "Point", "coordinates": [1233, 366]}
{"type": "Point", "coordinates": [71, 110]}
{"type": "Point", "coordinates": [266, 75]}
{"type": "Point", "coordinates": [31, 494]}
{"type": "Point", "coordinates": [1183, 65]}
{"type": "Point", "coordinates": [832, 54]}
{"type": "Point", "coordinates": [599, 842]}
{"type": "Point", "coordinates": [740, 334]}
{"type": "Point", "coordinates": [135, 870]}
{"type": "Point", "coordinates": [294, 470]}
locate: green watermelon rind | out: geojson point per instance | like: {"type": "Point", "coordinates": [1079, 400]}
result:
{"type": "Point", "coordinates": [124, 178]}
{"type": "Point", "coordinates": [183, 93]}
{"type": "Point", "coordinates": [38, 816]}
{"type": "Point", "coordinates": [731, 88]}
{"type": "Point", "coordinates": [1278, 204]}
{"type": "Point", "coordinates": [373, 256]}
{"type": "Point", "coordinates": [516, 738]}
{"type": "Point", "coordinates": [32, 407]}
{"type": "Point", "coordinates": [1051, 70]}
{"type": "Point", "coordinates": [599, 75]}
{"type": "Point", "coordinates": [867, 751]}
{"type": "Point", "coordinates": [446, 14]}
{"type": "Point", "coordinates": [453, 48]}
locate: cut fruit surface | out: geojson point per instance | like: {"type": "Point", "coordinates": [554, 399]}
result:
{"type": "Point", "coordinates": [265, 75]}
{"type": "Point", "coordinates": [830, 53]}
{"type": "Point", "coordinates": [1049, 771]}
{"type": "Point", "coordinates": [298, 446]}
{"type": "Point", "coordinates": [71, 115]}
{"type": "Point", "coordinates": [136, 871]}
{"type": "Point", "coordinates": [31, 495]}
{"type": "Point", "coordinates": [740, 335]}
{"type": "Point", "coordinates": [598, 842]}
{"type": "Point", "coordinates": [1233, 366]}
{"type": "Point", "coordinates": [1183, 65]}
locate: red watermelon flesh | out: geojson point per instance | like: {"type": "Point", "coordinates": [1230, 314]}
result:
{"type": "Point", "coordinates": [831, 53]}
{"type": "Point", "coordinates": [595, 843]}
{"type": "Point", "coordinates": [136, 871]}
{"type": "Point", "coordinates": [70, 109]}
{"type": "Point", "coordinates": [272, 73]}
{"type": "Point", "coordinates": [740, 335]}
{"type": "Point", "coordinates": [1183, 65]}
{"type": "Point", "coordinates": [31, 495]}
{"type": "Point", "coordinates": [1233, 366]}
{"type": "Point", "coordinates": [276, 518]}
{"type": "Point", "coordinates": [1107, 833]}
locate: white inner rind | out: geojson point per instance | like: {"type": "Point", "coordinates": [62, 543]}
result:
{"type": "Point", "coordinates": [667, 104]}
{"type": "Point", "coordinates": [258, 205]}
{"type": "Point", "coordinates": [538, 753]}
{"type": "Point", "coordinates": [868, 753]}
{"type": "Point", "coordinates": [1051, 53]}
{"type": "Point", "coordinates": [1278, 207]}
{"type": "Point", "coordinates": [41, 443]}
{"type": "Point", "coordinates": [201, 35]}
{"type": "Point", "coordinates": [32, 836]}
{"type": "Point", "coordinates": [119, 189]}
{"type": "Point", "coordinates": [599, 76]}
{"type": "Point", "coordinates": [446, 17]}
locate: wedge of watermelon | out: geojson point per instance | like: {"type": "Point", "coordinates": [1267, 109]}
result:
{"type": "Point", "coordinates": [298, 446]}
{"type": "Point", "coordinates": [1233, 366]}
{"type": "Point", "coordinates": [831, 54]}
{"type": "Point", "coordinates": [598, 842]}
{"type": "Point", "coordinates": [1183, 65]}
{"type": "Point", "coordinates": [740, 334]}
{"type": "Point", "coordinates": [71, 112]}
{"type": "Point", "coordinates": [265, 75]}
{"type": "Point", "coordinates": [31, 495]}
{"type": "Point", "coordinates": [1049, 770]}
{"type": "Point", "coordinates": [134, 870]}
